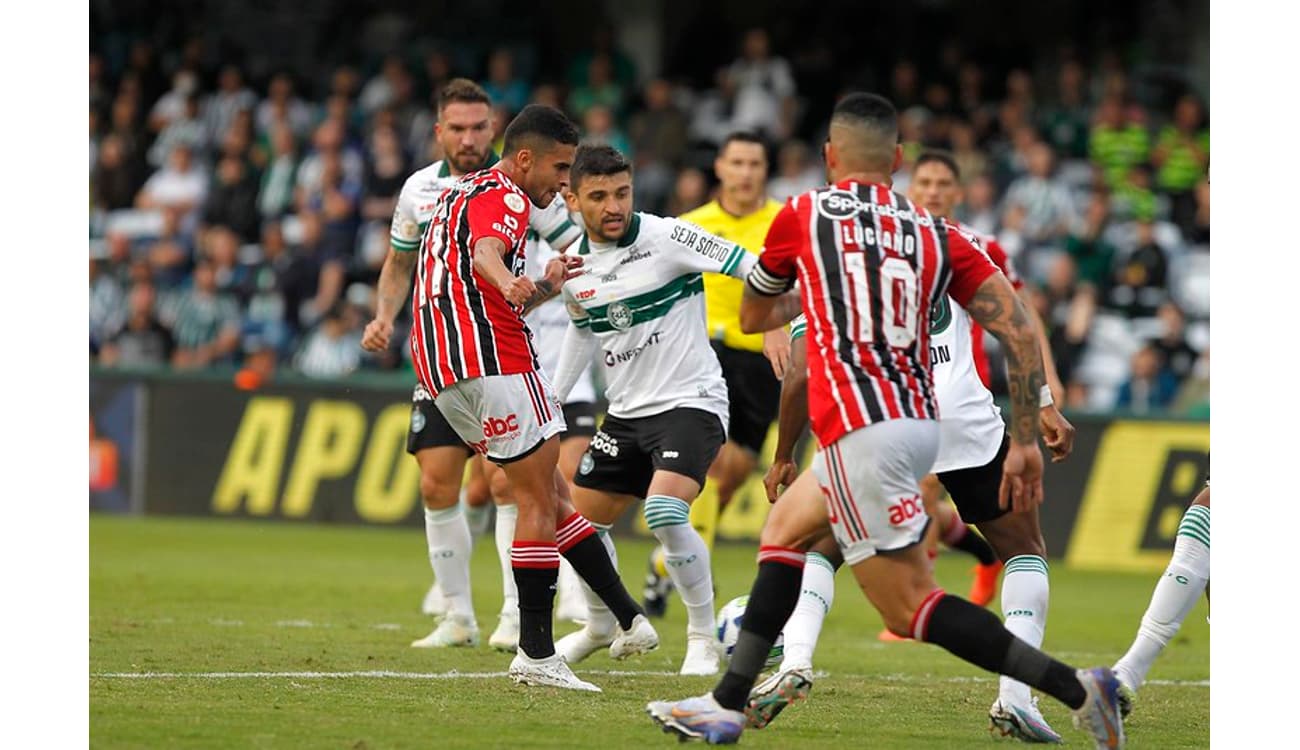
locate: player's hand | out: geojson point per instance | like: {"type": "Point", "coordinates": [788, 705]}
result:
{"type": "Point", "coordinates": [1022, 478]}
{"type": "Point", "coordinates": [1057, 432]}
{"type": "Point", "coordinates": [562, 268]}
{"type": "Point", "coordinates": [780, 474]}
{"type": "Point", "coordinates": [376, 336]}
{"type": "Point", "coordinates": [518, 290]}
{"type": "Point", "coordinates": [776, 347]}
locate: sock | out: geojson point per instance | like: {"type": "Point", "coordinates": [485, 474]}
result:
{"type": "Point", "coordinates": [449, 548]}
{"type": "Point", "coordinates": [962, 537]}
{"type": "Point", "coordinates": [805, 625]}
{"type": "Point", "coordinates": [773, 598]}
{"type": "Point", "coordinates": [1024, 613]}
{"type": "Point", "coordinates": [476, 516]}
{"type": "Point", "coordinates": [1175, 596]}
{"type": "Point", "coordinates": [507, 515]}
{"type": "Point", "coordinates": [687, 557]}
{"type": "Point", "coordinates": [589, 556]}
{"type": "Point", "coordinates": [976, 635]}
{"type": "Point", "coordinates": [536, 566]}
{"type": "Point", "coordinates": [600, 621]}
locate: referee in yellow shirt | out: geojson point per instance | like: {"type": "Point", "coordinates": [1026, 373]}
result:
{"type": "Point", "coordinates": [741, 213]}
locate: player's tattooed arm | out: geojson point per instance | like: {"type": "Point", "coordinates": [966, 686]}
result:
{"type": "Point", "coordinates": [394, 283]}
{"type": "Point", "coordinates": [999, 311]}
{"type": "Point", "coordinates": [558, 270]}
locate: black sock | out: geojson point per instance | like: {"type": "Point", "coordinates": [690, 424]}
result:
{"type": "Point", "coordinates": [771, 602]}
{"type": "Point", "coordinates": [973, 544]}
{"type": "Point", "coordinates": [536, 602]}
{"type": "Point", "coordinates": [976, 635]}
{"type": "Point", "coordinates": [590, 560]}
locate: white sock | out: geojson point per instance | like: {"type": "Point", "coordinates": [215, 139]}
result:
{"type": "Point", "coordinates": [507, 516]}
{"type": "Point", "coordinates": [449, 549]}
{"type": "Point", "coordinates": [805, 624]}
{"type": "Point", "coordinates": [687, 558]}
{"type": "Point", "coordinates": [600, 621]}
{"type": "Point", "coordinates": [475, 516]}
{"type": "Point", "coordinates": [568, 583]}
{"type": "Point", "coordinates": [1175, 596]}
{"type": "Point", "coordinates": [1024, 612]}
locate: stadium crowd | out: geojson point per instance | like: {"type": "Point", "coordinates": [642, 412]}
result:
{"type": "Point", "coordinates": [242, 223]}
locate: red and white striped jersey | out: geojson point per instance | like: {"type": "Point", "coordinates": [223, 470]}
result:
{"type": "Point", "coordinates": [870, 265]}
{"type": "Point", "coordinates": [994, 250]}
{"type": "Point", "coordinates": [463, 327]}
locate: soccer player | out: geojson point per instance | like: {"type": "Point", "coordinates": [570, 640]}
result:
{"type": "Point", "coordinates": [1187, 575]}
{"type": "Point", "coordinates": [871, 265]}
{"type": "Point", "coordinates": [741, 213]}
{"type": "Point", "coordinates": [640, 301]}
{"type": "Point", "coordinates": [474, 354]}
{"type": "Point", "coordinates": [465, 133]}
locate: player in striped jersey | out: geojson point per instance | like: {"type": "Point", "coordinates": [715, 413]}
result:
{"type": "Point", "coordinates": [464, 132]}
{"type": "Point", "coordinates": [871, 265]}
{"type": "Point", "coordinates": [474, 353]}
{"type": "Point", "coordinates": [640, 299]}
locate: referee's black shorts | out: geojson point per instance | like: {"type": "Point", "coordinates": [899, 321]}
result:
{"type": "Point", "coordinates": [753, 393]}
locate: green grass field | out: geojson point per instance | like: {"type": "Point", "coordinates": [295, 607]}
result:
{"type": "Point", "coordinates": [193, 601]}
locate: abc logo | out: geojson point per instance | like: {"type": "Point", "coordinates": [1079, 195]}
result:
{"type": "Point", "coordinates": [906, 509]}
{"type": "Point", "coordinates": [494, 427]}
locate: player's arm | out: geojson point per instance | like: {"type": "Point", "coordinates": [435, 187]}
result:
{"type": "Point", "coordinates": [1049, 362]}
{"type": "Point", "coordinates": [390, 296]}
{"type": "Point", "coordinates": [576, 351]}
{"type": "Point", "coordinates": [769, 300]}
{"type": "Point", "coordinates": [792, 420]}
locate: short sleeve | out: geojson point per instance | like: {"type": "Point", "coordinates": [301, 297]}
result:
{"type": "Point", "coordinates": [554, 224]}
{"type": "Point", "coordinates": [499, 212]}
{"type": "Point", "coordinates": [1003, 262]}
{"type": "Point", "coordinates": [699, 250]}
{"type": "Point", "coordinates": [970, 267]}
{"type": "Point", "coordinates": [404, 233]}
{"type": "Point", "coordinates": [775, 271]}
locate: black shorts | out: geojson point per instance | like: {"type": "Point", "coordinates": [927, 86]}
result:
{"type": "Point", "coordinates": [579, 420]}
{"type": "Point", "coordinates": [753, 395]}
{"type": "Point", "coordinates": [429, 429]}
{"type": "Point", "coordinates": [975, 490]}
{"type": "Point", "coordinates": [625, 453]}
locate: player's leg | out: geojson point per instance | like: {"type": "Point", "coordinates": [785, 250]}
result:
{"type": "Point", "coordinates": [1176, 594]}
{"type": "Point", "coordinates": [506, 635]}
{"type": "Point", "coordinates": [572, 605]}
{"type": "Point", "coordinates": [681, 444]}
{"type": "Point", "coordinates": [1017, 539]}
{"type": "Point", "coordinates": [956, 534]}
{"type": "Point", "coordinates": [477, 497]}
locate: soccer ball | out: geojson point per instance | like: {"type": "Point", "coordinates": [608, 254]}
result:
{"type": "Point", "coordinates": [729, 630]}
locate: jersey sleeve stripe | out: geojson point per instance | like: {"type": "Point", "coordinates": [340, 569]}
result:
{"type": "Point", "coordinates": [766, 283]}
{"type": "Point", "coordinates": [733, 260]}
{"type": "Point", "coordinates": [565, 228]}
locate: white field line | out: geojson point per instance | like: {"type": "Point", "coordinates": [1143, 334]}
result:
{"type": "Point", "coordinates": [455, 675]}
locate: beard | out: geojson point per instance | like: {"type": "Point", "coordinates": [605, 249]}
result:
{"type": "Point", "coordinates": [468, 161]}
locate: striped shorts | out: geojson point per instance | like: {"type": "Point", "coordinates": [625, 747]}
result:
{"type": "Point", "coordinates": [503, 417]}
{"type": "Point", "coordinates": [870, 478]}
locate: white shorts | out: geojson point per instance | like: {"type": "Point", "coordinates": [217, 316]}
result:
{"type": "Point", "coordinates": [503, 417]}
{"type": "Point", "coordinates": [870, 478]}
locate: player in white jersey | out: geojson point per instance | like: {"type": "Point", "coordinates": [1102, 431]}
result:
{"type": "Point", "coordinates": [972, 448]}
{"type": "Point", "coordinates": [640, 302]}
{"type": "Point", "coordinates": [464, 132]}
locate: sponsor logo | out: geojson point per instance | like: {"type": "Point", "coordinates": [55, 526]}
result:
{"type": "Point", "coordinates": [939, 355]}
{"type": "Point", "coordinates": [635, 256]}
{"type": "Point", "coordinates": [905, 509]}
{"type": "Point", "coordinates": [514, 202]}
{"type": "Point", "coordinates": [585, 421]}
{"type": "Point", "coordinates": [586, 464]}
{"type": "Point", "coordinates": [417, 420]}
{"type": "Point", "coordinates": [605, 444]}
{"type": "Point", "coordinates": [841, 204]}
{"type": "Point", "coordinates": [620, 316]}
{"type": "Point", "coordinates": [586, 294]}
{"type": "Point", "coordinates": [421, 394]}
{"type": "Point", "coordinates": [612, 358]}
{"type": "Point", "coordinates": [609, 277]}
{"type": "Point", "coordinates": [671, 454]}
{"type": "Point", "coordinates": [677, 562]}
{"type": "Point", "coordinates": [496, 427]}
{"type": "Point", "coordinates": [481, 447]}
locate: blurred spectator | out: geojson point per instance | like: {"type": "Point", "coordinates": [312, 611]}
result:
{"type": "Point", "coordinates": [1117, 141]}
{"type": "Point", "coordinates": [765, 89]}
{"type": "Point", "coordinates": [1179, 357]}
{"type": "Point", "coordinates": [970, 159]}
{"type": "Point", "coordinates": [260, 289]}
{"type": "Point", "coordinates": [1193, 399]}
{"type": "Point", "coordinates": [386, 170]}
{"type": "Point", "coordinates": [115, 180]}
{"type": "Point", "coordinates": [1181, 157]}
{"type": "Point", "coordinates": [126, 126]}
{"type": "Point", "coordinates": [904, 85]}
{"type": "Point", "coordinates": [1087, 245]}
{"type": "Point", "coordinates": [314, 279]}
{"type": "Point", "coordinates": [689, 192]}
{"type": "Point", "coordinates": [795, 171]}
{"type": "Point", "coordinates": [170, 253]}
{"type": "Point", "coordinates": [221, 249]}
{"type": "Point", "coordinates": [230, 98]}
{"type": "Point", "coordinates": [1065, 121]}
{"type": "Point", "coordinates": [505, 87]}
{"type": "Point", "coordinates": [711, 113]}
{"type": "Point", "coordinates": [186, 129]}
{"type": "Point", "coordinates": [336, 201]}
{"type": "Point", "coordinates": [602, 45]}
{"type": "Point", "coordinates": [979, 209]}
{"type": "Point", "coordinates": [381, 90]}
{"type": "Point", "coordinates": [233, 201]}
{"type": "Point", "coordinates": [599, 128]}
{"type": "Point", "coordinates": [329, 145]}
{"type": "Point", "coordinates": [658, 132]}
{"type": "Point", "coordinates": [1135, 199]}
{"type": "Point", "coordinates": [282, 107]}
{"type": "Point", "coordinates": [1150, 388]}
{"type": "Point", "coordinates": [598, 88]}
{"type": "Point", "coordinates": [1141, 278]}
{"type": "Point", "coordinates": [142, 66]}
{"type": "Point", "coordinates": [1199, 231]}
{"type": "Point", "coordinates": [143, 341]}
{"type": "Point", "coordinates": [279, 178]}
{"type": "Point", "coordinates": [1048, 211]}
{"type": "Point", "coordinates": [180, 185]}
{"type": "Point", "coordinates": [107, 308]}
{"type": "Point", "coordinates": [334, 348]}
{"type": "Point", "coordinates": [171, 105]}
{"type": "Point", "coordinates": [100, 95]}
{"type": "Point", "coordinates": [1068, 310]}
{"type": "Point", "coordinates": [206, 324]}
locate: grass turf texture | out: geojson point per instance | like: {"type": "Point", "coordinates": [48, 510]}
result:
{"type": "Point", "coordinates": [207, 596]}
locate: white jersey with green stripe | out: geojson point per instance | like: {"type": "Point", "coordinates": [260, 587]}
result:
{"type": "Point", "coordinates": [642, 298]}
{"type": "Point", "coordinates": [420, 194]}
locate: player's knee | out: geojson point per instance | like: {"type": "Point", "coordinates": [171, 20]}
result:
{"type": "Point", "coordinates": [478, 493]}
{"type": "Point", "coordinates": [898, 620]}
{"type": "Point", "coordinates": [437, 492]}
